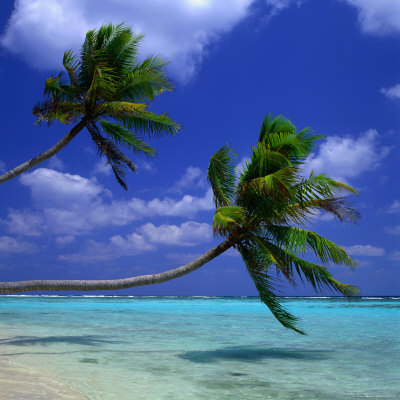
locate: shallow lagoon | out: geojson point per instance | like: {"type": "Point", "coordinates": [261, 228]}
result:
{"type": "Point", "coordinates": [124, 348]}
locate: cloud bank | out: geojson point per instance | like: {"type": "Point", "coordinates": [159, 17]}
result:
{"type": "Point", "coordinates": [66, 204]}
{"type": "Point", "coordinates": [178, 30]}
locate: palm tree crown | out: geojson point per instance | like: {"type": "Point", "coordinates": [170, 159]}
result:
{"type": "Point", "coordinates": [264, 213]}
{"type": "Point", "coordinates": [107, 88]}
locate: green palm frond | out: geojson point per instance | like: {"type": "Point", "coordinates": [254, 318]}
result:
{"type": "Point", "coordinates": [266, 291]}
{"type": "Point", "coordinates": [57, 110]}
{"type": "Point", "coordinates": [228, 219]}
{"type": "Point", "coordinates": [146, 81]}
{"type": "Point", "coordinates": [317, 187]}
{"type": "Point", "coordinates": [264, 161]}
{"type": "Point", "coordinates": [71, 65]}
{"type": "Point", "coordinates": [115, 158]}
{"type": "Point", "coordinates": [273, 125]}
{"type": "Point", "coordinates": [221, 176]}
{"type": "Point", "coordinates": [124, 137]}
{"type": "Point", "coordinates": [300, 240]}
{"type": "Point", "coordinates": [150, 123]}
{"type": "Point", "coordinates": [339, 207]}
{"type": "Point", "coordinates": [317, 275]}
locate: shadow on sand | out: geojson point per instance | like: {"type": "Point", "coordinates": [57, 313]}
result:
{"type": "Point", "coordinates": [90, 340]}
{"type": "Point", "coordinates": [253, 354]}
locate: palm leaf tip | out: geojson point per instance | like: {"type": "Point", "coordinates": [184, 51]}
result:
{"type": "Point", "coordinates": [221, 175]}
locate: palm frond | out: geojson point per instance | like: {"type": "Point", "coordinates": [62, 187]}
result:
{"type": "Point", "coordinates": [71, 64]}
{"type": "Point", "coordinates": [301, 240]}
{"type": "Point", "coordinates": [114, 156]}
{"type": "Point", "coordinates": [317, 275]}
{"type": "Point", "coordinates": [272, 125]}
{"type": "Point", "coordinates": [221, 176]}
{"type": "Point", "coordinates": [339, 207]}
{"type": "Point", "coordinates": [57, 110]}
{"type": "Point", "coordinates": [124, 137]}
{"type": "Point", "coordinates": [263, 283]}
{"type": "Point", "coordinates": [150, 124]}
{"type": "Point", "coordinates": [264, 161]}
{"type": "Point", "coordinates": [228, 219]}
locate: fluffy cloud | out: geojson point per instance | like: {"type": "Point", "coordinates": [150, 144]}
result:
{"type": "Point", "coordinates": [50, 188]}
{"type": "Point", "coordinates": [346, 157]}
{"type": "Point", "coordinates": [116, 247]}
{"type": "Point", "coordinates": [380, 17]}
{"type": "Point", "coordinates": [24, 223]}
{"type": "Point", "coordinates": [189, 233]}
{"type": "Point", "coordinates": [143, 240]}
{"type": "Point", "coordinates": [178, 30]}
{"type": "Point", "coordinates": [193, 177]}
{"type": "Point", "coordinates": [11, 245]}
{"type": "Point", "coordinates": [392, 92]}
{"type": "Point", "coordinates": [365, 250]}
{"type": "Point", "coordinates": [71, 204]}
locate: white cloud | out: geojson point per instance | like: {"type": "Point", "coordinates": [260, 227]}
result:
{"type": "Point", "coordinates": [71, 204]}
{"type": "Point", "coordinates": [101, 168]}
{"type": "Point", "coordinates": [55, 163]}
{"type": "Point", "coordinates": [394, 207]}
{"type": "Point", "coordinates": [116, 247]}
{"type": "Point", "coordinates": [364, 250]}
{"type": "Point", "coordinates": [345, 157]}
{"type": "Point", "coordinates": [11, 245]}
{"type": "Point", "coordinates": [189, 233]}
{"type": "Point", "coordinates": [193, 177]}
{"type": "Point", "coordinates": [143, 240]}
{"type": "Point", "coordinates": [63, 240]}
{"type": "Point", "coordinates": [179, 30]}
{"type": "Point", "coordinates": [392, 92]}
{"type": "Point", "coordinates": [51, 188]}
{"type": "Point", "coordinates": [380, 17]}
{"type": "Point", "coordinates": [393, 230]}
{"type": "Point", "coordinates": [24, 223]}
{"type": "Point", "coordinates": [2, 166]}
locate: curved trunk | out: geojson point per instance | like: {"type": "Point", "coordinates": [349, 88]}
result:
{"type": "Point", "coordinates": [44, 156]}
{"type": "Point", "coordinates": [114, 284]}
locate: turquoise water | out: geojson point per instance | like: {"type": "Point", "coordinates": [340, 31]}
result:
{"type": "Point", "coordinates": [206, 348]}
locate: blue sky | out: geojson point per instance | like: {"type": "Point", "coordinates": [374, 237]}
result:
{"type": "Point", "coordinates": [331, 65]}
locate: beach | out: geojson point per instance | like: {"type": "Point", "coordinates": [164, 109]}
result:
{"type": "Point", "coordinates": [197, 348]}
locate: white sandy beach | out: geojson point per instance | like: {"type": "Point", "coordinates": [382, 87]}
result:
{"type": "Point", "coordinates": [20, 383]}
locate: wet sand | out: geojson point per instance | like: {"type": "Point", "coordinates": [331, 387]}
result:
{"type": "Point", "coordinates": [20, 383]}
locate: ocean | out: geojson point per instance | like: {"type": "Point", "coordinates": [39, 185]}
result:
{"type": "Point", "coordinates": [153, 348]}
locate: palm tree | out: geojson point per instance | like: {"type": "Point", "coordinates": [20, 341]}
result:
{"type": "Point", "coordinates": [105, 90]}
{"type": "Point", "coordinates": [263, 214]}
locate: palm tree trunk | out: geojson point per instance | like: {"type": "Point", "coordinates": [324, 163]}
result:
{"type": "Point", "coordinates": [12, 173]}
{"type": "Point", "coordinates": [114, 284]}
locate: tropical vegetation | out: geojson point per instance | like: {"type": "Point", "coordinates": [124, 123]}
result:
{"type": "Point", "coordinates": [106, 89]}
{"type": "Point", "coordinates": [263, 213]}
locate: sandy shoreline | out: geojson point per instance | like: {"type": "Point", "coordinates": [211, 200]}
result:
{"type": "Point", "coordinates": [21, 383]}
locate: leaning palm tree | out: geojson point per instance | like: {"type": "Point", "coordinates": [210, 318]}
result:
{"type": "Point", "coordinates": [263, 214]}
{"type": "Point", "coordinates": [105, 90]}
